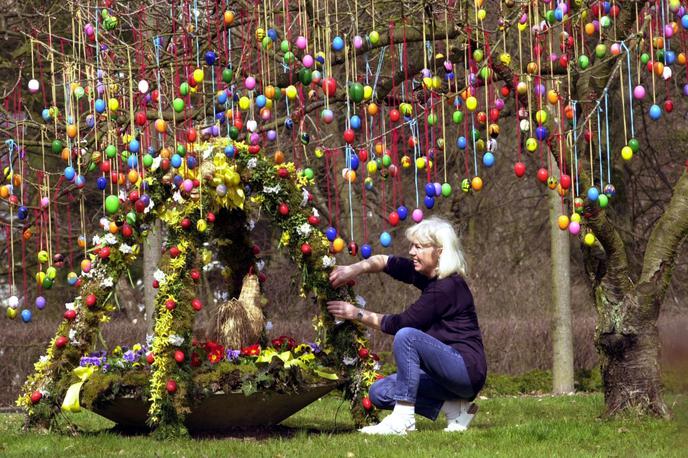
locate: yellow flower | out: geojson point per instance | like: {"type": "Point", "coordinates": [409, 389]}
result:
{"type": "Point", "coordinates": [284, 240]}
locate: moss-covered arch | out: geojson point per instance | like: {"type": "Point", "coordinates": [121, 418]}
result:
{"type": "Point", "coordinates": [229, 177]}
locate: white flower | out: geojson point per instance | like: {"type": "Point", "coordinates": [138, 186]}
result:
{"type": "Point", "coordinates": [149, 340]}
{"type": "Point", "coordinates": [122, 194]}
{"type": "Point", "coordinates": [107, 282]}
{"type": "Point", "coordinates": [72, 334]}
{"type": "Point", "coordinates": [177, 197]}
{"type": "Point", "coordinates": [44, 358]}
{"type": "Point", "coordinates": [124, 248]}
{"type": "Point", "coordinates": [377, 365]}
{"type": "Point", "coordinates": [207, 152]}
{"type": "Point", "coordinates": [315, 212]}
{"type": "Point", "coordinates": [328, 261]}
{"type": "Point", "coordinates": [252, 163]}
{"type": "Point", "coordinates": [156, 163]}
{"type": "Point", "coordinates": [96, 240]}
{"type": "Point", "coordinates": [159, 275]}
{"type": "Point", "coordinates": [110, 239]}
{"type": "Point", "coordinates": [175, 340]}
{"type": "Point", "coordinates": [70, 306]}
{"type": "Point", "coordinates": [272, 189]}
{"type": "Point", "coordinates": [268, 326]}
{"type": "Point", "coordinates": [304, 230]}
{"type": "Point", "coordinates": [149, 207]}
{"type": "Point", "coordinates": [349, 361]}
{"type": "Point", "coordinates": [250, 225]}
{"type": "Point", "coordinates": [304, 197]}
{"type": "Point", "coordinates": [260, 265]}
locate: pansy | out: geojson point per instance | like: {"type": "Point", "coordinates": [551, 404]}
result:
{"type": "Point", "coordinates": [232, 355]}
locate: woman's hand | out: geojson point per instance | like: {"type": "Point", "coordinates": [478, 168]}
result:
{"type": "Point", "coordinates": [341, 275]}
{"type": "Point", "coordinates": [342, 310]}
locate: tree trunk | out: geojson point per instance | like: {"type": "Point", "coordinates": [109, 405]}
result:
{"type": "Point", "coordinates": [631, 372]}
{"type": "Point", "coordinates": [562, 335]}
{"type": "Point", "coordinates": [151, 259]}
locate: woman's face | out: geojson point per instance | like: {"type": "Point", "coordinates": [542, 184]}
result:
{"type": "Point", "coordinates": [425, 258]}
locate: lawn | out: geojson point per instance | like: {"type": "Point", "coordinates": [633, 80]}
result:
{"type": "Point", "coordinates": [504, 426]}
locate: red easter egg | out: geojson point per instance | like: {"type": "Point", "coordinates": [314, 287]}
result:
{"type": "Point", "coordinates": [91, 300]}
{"type": "Point", "coordinates": [195, 274]}
{"type": "Point", "coordinates": [349, 136]}
{"type": "Point", "coordinates": [196, 304]}
{"type": "Point", "coordinates": [210, 217]}
{"type": "Point", "coordinates": [171, 386]}
{"type": "Point", "coordinates": [394, 115]}
{"type": "Point", "coordinates": [565, 181]}
{"type": "Point", "coordinates": [104, 252]}
{"type": "Point", "coordinates": [363, 353]}
{"type": "Point", "coordinates": [519, 169]}
{"type": "Point", "coordinates": [174, 252]}
{"type": "Point", "coordinates": [150, 357]}
{"type": "Point", "coordinates": [140, 118]}
{"type": "Point", "coordinates": [313, 220]}
{"type": "Point", "coordinates": [69, 315]}
{"type": "Point", "coordinates": [668, 106]}
{"type": "Point", "coordinates": [36, 397]}
{"type": "Point", "coordinates": [542, 174]}
{"type": "Point", "coordinates": [179, 356]}
{"type": "Point", "coordinates": [367, 404]}
{"type": "Point", "coordinates": [306, 249]}
{"type": "Point", "coordinates": [170, 304]}
{"type": "Point", "coordinates": [61, 341]}
{"type": "Point", "coordinates": [283, 209]}
{"type": "Point", "coordinates": [394, 218]}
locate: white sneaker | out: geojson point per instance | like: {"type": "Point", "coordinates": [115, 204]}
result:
{"type": "Point", "coordinates": [391, 425]}
{"type": "Point", "coordinates": [462, 422]}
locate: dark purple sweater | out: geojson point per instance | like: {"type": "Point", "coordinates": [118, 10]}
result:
{"type": "Point", "coordinates": [444, 311]}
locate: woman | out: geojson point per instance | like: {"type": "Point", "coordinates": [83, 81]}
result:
{"type": "Point", "coordinates": [438, 347]}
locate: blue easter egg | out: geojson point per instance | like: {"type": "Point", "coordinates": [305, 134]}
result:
{"type": "Point", "coordinates": [222, 97]}
{"type": "Point", "coordinates": [355, 122]}
{"type": "Point", "coordinates": [385, 239]}
{"type": "Point", "coordinates": [229, 151]}
{"type": "Point", "coordinates": [45, 114]}
{"type": "Point", "coordinates": [461, 142]}
{"type": "Point", "coordinates": [101, 182]}
{"type": "Point", "coordinates": [593, 194]}
{"type": "Point", "coordinates": [669, 57]}
{"type": "Point", "coordinates": [430, 190]}
{"type": "Point", "coordinates": [655, 112]}
{"type": "Point", "coordinates": [69, 173]}
{"type": "Point", "coordinates": [488, 159]}
{"type": "Point", "coordinates": [133, 161]}
{"type": "Point", "coordinates": [191, 162]}
{"type": "Point", "coordinates": [26, 315]}
{"type": "Point", "coordinates": [684, 21]}
{"type": "Point", "coordinates": [338, 43]}
{"type": "Point", "coordinates": [261, 100]}
{"type": "Point", "coordinates": [100, 105]}
{"type": "Point", "coordinates": [541, 133]}
{"type": "Point", "coordinates": [402, 211]}
{"type": "Point", "coordinates": [134, 146]}
{"type": "Point", "coordinates": [366, 251]}
{"type": "Point", "coordinates": [354, 162]}
{"type": "Point", "coordinates": [80, 181]}
{"type": "Point", "coordinates": [429, 202]}
{"type": "Point", "coordinates": [272, 33]}
{"type": "Point", "coordinates": [22, 212]}
{"type": "Point", "coordinates": [331, 234]}
{"type": "Point", "coordinates": [289, 123]}
{"type": "Point", "coordinates": [176, 161]}
{"type": "Point", "coordinates": [210, 57]}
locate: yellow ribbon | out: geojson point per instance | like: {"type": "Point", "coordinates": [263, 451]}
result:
{"type": "Point", "coordinates": [71, 400]}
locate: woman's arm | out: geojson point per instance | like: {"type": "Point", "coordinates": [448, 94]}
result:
{"type": "Point", "coordinates": [341, 275]}
{"type": "Point", "coordinates": [346, 311]}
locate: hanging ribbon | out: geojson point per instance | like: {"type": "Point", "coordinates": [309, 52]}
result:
{"type": "Point", "coordinates": [71, 400]}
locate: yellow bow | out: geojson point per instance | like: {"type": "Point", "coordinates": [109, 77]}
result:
{"type": "Point", "coordinates": [71, 400]}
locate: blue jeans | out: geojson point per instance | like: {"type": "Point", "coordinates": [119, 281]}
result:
{"type": "Point", "coordinates": [428, 373]}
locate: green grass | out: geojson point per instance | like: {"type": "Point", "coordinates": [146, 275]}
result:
{"type": "Point", "coordinates": [504, 426]}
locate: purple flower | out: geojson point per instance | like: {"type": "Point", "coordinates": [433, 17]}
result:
{"type": "Point", "coordinates": [232, 355]}
{"type": "Point", "coordinates": [91, 361]}
{"type": "Point", "coordinates": [130, 356]}
{"type": "Point", "coordinates": [314, 346]}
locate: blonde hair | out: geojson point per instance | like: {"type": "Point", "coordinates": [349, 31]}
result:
{"type": "Point", "coordinates": [439, 233]}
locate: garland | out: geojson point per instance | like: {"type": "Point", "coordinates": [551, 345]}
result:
{"type": "Point", "coordinates": [230, 176]}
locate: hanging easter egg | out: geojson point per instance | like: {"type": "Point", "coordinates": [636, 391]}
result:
{"type": "Point", "coordinates": [589, 239]}
{"type": "Point", "coordinates": [331, 233]}
{"type": "Point", "coordinates": [112, 204]}
{"type": "Point", "coordinates": [355, 122]}
{"type": "Point", "coordinates": [198, 75]}
{"type": "Point", "coordinates": [583, 61]}
{"type": "Point", "coordinates": [385, 239]}
{"type": "Point", "coordinates": [338, 43]}
{"type": "Point", "coordinates": [471, 103]}
{"type": "Point", "coordinates": [227, 75]}
{"type": "Point", "coordinates": [349, 136]}
{"type": "Point", "coordinates": [329, 86]}
{"type": "Point", "coordinates": [178, 105]}
{"type": "Point", "coordinates": [429, 202]}
{"type": "Point", "coordinates": [374, 36]}
{"type": "Point", "coordinates": [417, 215]}
{"type": "Point", "coordinates": [655, 112]}
{"type": "Point", "coordinates": [366, 251]}
{"type": "Point", "coordinates": [476, 184]}
{"type": "Point", "coordinates": [305, 76]}
{"type": "Point", "coordinates": [113, 104]}
{"type": "Point", "coordinates": [488, 159]}
{"type": "Point", "coordinates": [26, 315]}
{"type": "Point", "coordinates": [356, 92]}
{"type": "Point", "coordinates": [593, 193]}
{"type": "Point", "coordinates": [34, 86]}
{"type": "Point", "coordinates": [609, 190]}
{"type": "Point", "coordinates": [338, 244]}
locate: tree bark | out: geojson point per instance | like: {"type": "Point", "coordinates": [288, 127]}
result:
{"type": "Point", "coordinates": [562, 335]}
{"type": "Point", "coordinates": [151, 259]}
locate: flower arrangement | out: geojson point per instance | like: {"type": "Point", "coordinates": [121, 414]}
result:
{"type": "Point", "coordinates": [224, 176]}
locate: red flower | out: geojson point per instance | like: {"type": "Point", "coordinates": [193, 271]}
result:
{"type": "Point", "coordinates": [253, 350]}
{"type": "Point", "coordinates": [195, 360]}
{"type": "Point", "coordinates": [215, 356]}
{"type": "Point", "coordinates": [284, 341]}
